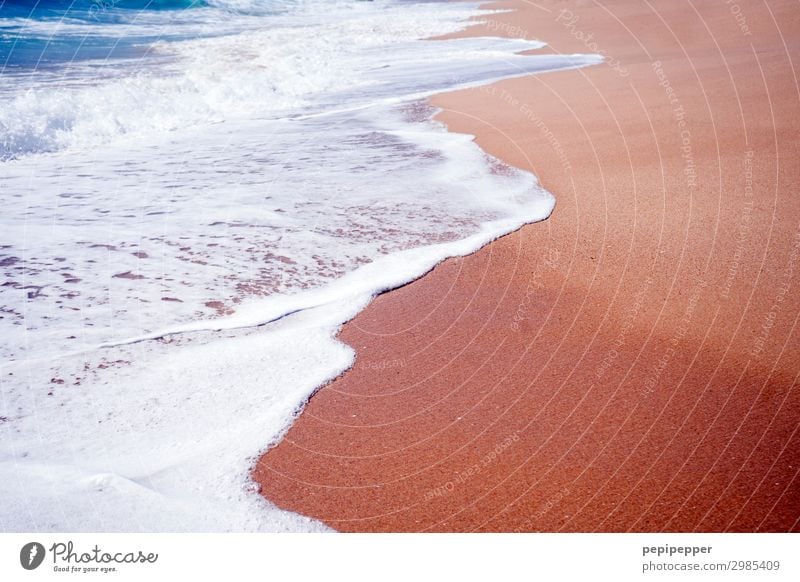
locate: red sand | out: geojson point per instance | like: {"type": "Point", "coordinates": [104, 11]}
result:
{"type": "Point", "coordinates": [629, 364]}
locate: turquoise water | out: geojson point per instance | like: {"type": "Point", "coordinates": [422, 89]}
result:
{"type": "Point", "coordinates": [48, 33]}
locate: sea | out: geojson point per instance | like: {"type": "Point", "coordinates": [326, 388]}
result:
{"type": "Point", "coordinates": [196, 195]}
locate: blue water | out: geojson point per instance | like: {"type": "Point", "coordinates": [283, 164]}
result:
{"type": "Point", "coordinates": [46, 33]}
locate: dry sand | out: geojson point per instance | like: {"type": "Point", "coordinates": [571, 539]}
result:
{"type": "Point", "coordinates": [629, 364]}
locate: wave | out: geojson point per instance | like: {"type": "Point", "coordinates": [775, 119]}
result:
{"type": "Point", "coordinates": [94, 8]}
{"type": "Point", "coordinates": [84, 5]}
{"type": "Point", "coordinates": [59, 33]}
{"type": "Point", "coordinates": [305, 65]}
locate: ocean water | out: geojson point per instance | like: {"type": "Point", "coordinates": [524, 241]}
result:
{"type": "Point", "coordinates": [196, 196]}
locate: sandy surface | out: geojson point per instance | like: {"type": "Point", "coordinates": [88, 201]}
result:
{"type": "Point", "coordinates": [630, 363]}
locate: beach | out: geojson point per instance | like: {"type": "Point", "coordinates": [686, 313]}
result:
{"type": "Point", "coordinates": [196, 196]}
{"type": "Point", "coordinates": [628, 364]}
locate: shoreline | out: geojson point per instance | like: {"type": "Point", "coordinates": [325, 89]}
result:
{"type": "Point", "coordinates": [628, 364]}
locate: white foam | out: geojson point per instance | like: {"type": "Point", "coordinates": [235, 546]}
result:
{"type": "Point", "coordinates": [159, 437]}
{"type": "Point", "coordinates": [346, 56]}
{"type": "Point", "coordinates": [127, 241]}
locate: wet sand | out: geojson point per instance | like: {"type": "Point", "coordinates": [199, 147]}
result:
{"type": "Point", "coordinates": [629, 364]}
